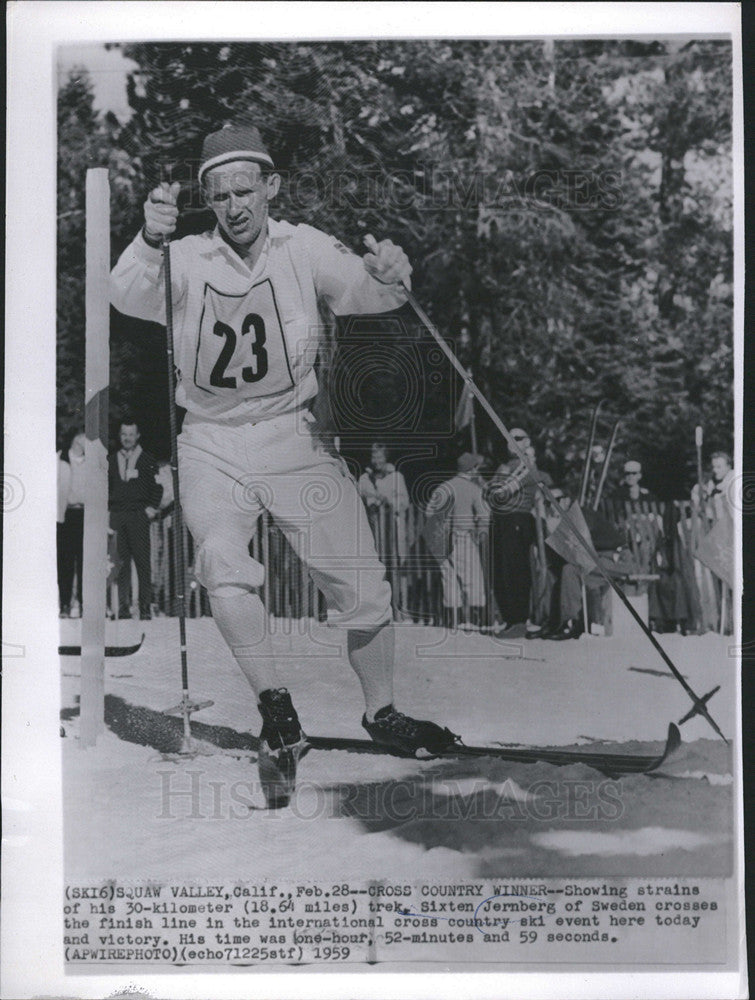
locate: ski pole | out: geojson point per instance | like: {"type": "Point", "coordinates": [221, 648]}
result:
{"type": "Point", "coordinates": [588, 455]}
{"type": "Point", "coordinates": [699, 449]}
{"type": "Point", "coordinates": [187, 706]}
{"type": "Point", "coordinates": [699, 703]}
{"type": "Point", "coordinates": [604, 470]}
{"type": "Point", "coordinates": [541, 611]}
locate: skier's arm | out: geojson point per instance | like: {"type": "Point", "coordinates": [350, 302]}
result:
{"type": "Point", "coordinates": [137, 282]}
{"type": "Point", "coordinates": [352, 285]}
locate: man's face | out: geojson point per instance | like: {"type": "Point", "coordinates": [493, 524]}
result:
{"type": "Point", "coordinates": [129, 435]}
{"type": "Point", "coordinates": [720, 467]}
{"type": "Point", "coordinates": [379, 458]}
{"type": "Point", "coordinates": [238, 194]}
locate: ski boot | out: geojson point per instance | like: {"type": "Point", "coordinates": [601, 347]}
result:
{"type": "Point", "coordinates": [282, 742]}
{"type": "Point", "coordinates": [405, 735]}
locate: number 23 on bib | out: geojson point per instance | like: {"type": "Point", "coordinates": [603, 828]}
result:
{"type": "Point", "coordinates": [241, 347]}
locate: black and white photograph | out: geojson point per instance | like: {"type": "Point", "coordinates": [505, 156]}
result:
{"type": "Point", "coordinates": [388, 417]}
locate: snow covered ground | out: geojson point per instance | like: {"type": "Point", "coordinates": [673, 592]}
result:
{"type": "Point", "coordinates": [135, 811]}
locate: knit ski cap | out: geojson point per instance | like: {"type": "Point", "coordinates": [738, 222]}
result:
{"type": "Point", "coordinates": [233, 142]}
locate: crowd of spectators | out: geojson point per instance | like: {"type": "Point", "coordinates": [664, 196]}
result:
{"type": "Point", "coordinates": [494, 537]}
{"type": "Point", "coordinates": [501, 560]}
{"type": "Point", "coordinates": [136, 496]}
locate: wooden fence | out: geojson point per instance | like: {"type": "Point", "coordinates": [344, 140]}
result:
{"type": "Point", "coordinates": [662, 536]}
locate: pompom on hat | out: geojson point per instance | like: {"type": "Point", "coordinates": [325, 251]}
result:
{"type": "Point", "coordinates": [234, 142]}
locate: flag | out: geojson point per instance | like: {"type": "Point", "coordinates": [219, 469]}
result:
{"type": "Point", "coordinates": [562, 540]}
{"type": "Point", "coordinates": [465, 410]}
{"type": "Point", "coordinates": [716, 550]}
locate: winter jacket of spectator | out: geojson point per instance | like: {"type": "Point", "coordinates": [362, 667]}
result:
{"type": "Point", "coordinates": [140, 490]}
{"type": "Point", "coordinates": [71, 484]}
{"type": "Point", "coordinates": [461, 502]}
{"type": "Point", "coordinates": [718, 495]}
{"type": "Point", "coordinates": [622, 493]}
{"type": "Point", "coordinates": [512, 489]}
{"type": "Point", "coordinates": [388, 484]}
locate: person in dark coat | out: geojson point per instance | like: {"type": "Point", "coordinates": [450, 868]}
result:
{"type": "Point", "coordinates": [629, 488]}
{"type": "Point", "coordinates": [510, 495]}
{"type": "Point", "coordinates": [134, 501]}
{"type": "Point", "coordinates": [70, 528]}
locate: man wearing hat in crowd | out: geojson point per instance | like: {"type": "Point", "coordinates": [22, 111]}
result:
{"type": "Point", "coordinates": [510, 495]}
{"type": "Point", "coordinates": [719, 490]}
{"type": "Point", "coordinates": [629, 487]}
{"type": "Point", "coordinates": [463, 513]}
{"type": "Point", "coordinates": [245, 302]}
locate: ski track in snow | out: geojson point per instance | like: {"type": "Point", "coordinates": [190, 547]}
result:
{"type": "Point", "coordinates": [131, 811]}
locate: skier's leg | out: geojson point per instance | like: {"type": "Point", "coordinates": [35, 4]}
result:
{"type": "Point", "coordinates": [372, 657]}
{"type": "Point", "coordinates": [326, 523]}
{"type": "Point", "coordinates": [222, 519]}
{"type": "Point", "coordinates": [242, 621]}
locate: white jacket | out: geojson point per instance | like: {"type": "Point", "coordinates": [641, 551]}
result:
{"type": "Point", "coordinates": [246, 341]}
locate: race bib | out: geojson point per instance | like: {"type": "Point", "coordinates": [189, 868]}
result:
{"type": "Point", "coordinates": [240, 344]}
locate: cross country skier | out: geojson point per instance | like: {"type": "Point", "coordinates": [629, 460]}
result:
{"type": "Point", "coordinates": [245, 302]}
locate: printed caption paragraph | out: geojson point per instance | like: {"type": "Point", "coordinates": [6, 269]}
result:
{"type": "Point", "coordinates": [550, 921]}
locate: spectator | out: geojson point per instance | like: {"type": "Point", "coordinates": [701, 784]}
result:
{"type": "Point", "coordinates": [460, 503]}
{"type": "Point", "coordinates": [511, 497]}
{"type": "Point", "coordinates": [669, 600]}
{"type": "Point", "coordinates": [545, 616]}
{"type": "Point", "coordinates": [718, 490]}
{"type": "Point", "coordinates": [134, 498]}
{"type": "Point", "coordinates": [160, 540]}
{"type": "Point", "coordinates": [629, 487]}
{"type": "Point", "coordinates": [70, 529]}
{"type": "Point", "coordinates": [382, 487]}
